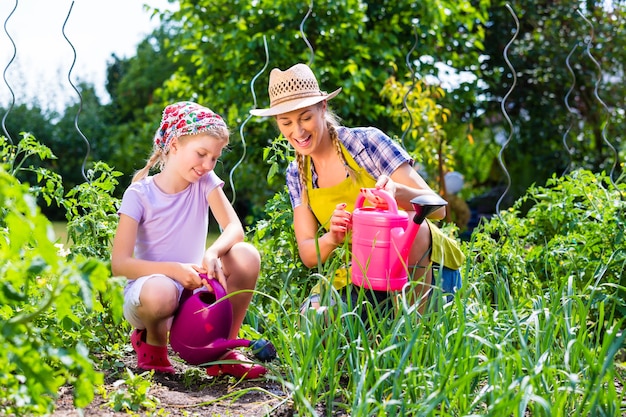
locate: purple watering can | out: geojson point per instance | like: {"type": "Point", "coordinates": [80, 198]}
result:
{"type": "Point", "coordinates": [382, 239]}
{"type": "Point", "coordinates": [199, 332]}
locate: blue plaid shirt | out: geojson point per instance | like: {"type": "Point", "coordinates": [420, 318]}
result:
{"type": "Point", "coordinates": [371, 149]}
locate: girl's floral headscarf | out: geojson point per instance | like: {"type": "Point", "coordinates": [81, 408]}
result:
{"type": "Point", "coordinates": [185, 118]}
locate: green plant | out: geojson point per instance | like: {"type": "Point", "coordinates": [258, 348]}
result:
{"type": "Point", "coordinates": [54, 301]}
{"type": "Point", "coordinates": [133, 393]}
{"type": "Point", "coordinates": [49, 185]}
{"type": "Point", "coordinates": [536, 328]}
{"type": "Point", "coordinates": [91, 212]}
{"type": "Point", "coordinates": [277, 154]}
{"type": "Point", "coordinates": [282, 273]}
{"type": "Point", "coordinates": [416, 108]}
{"type": "Point", "coordinates": [573, 226]}
{"type": "Point", "coordinates": [38, 292]}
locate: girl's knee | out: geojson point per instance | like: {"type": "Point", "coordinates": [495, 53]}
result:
{"type": "Point", "coordinates": [242, 265]}
{"type": "Point", "coordinates": [159, 297]}
{"type": "Point", "coordinates": [242, 259]}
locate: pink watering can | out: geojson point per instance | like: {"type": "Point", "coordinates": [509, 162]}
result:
{"type": "Point", "coordinates": [382, 239]}
{"type": "Point", "coordinates": [199, 332]}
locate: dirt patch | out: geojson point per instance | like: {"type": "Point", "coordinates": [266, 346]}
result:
{"type": "Point", "coordinates": [189, 392]}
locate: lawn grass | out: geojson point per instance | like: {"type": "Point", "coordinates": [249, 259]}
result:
{"type": "Point", "coordinates": [60, 231]}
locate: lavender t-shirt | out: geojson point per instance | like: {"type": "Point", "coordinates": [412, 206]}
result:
{"type": "Point", "coordinates": [172, 227]}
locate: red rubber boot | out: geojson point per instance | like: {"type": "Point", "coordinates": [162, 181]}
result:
{"type": "Point", "coordinates": [149, 356]}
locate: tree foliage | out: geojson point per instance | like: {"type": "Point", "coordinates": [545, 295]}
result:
{"type": "Point", "coordinates": [356, 45]}
{"type": "Point", "coordinates": [566, 100]}
{"type": "Point", "coordinates": [214, 52]}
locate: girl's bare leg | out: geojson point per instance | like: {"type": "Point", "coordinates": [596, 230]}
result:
{"type": "Point", "coordinates": [159, 300]}
{"type": "Point", "coordinates": [241, 265]}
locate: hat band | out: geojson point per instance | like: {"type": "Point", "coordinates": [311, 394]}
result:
{"type": "Point", "coordinates": [280, 100]}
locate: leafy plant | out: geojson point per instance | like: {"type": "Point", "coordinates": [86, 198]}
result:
{"type": "Point", "coordinates": [536, 328]}
{"type": "Point", "coordinates": [133, 393]}
{"type": "Point", "coordinates": [574, 226]}
{"type": "Point", "coordinates": [39, 290]}
{"type": "Point", "coordinates": [416, 107]}
{"type": "Point", "coordinates": [91, 212]}
{"type": "Point", "coordinates": [282, 273]}
{"type": "Point", "coordinates": [54, 299]}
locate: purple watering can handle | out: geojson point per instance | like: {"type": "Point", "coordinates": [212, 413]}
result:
{"type": "Point", "coordinates": [218, 290]}
{"type": "Point", "coordinates": [392, 206]}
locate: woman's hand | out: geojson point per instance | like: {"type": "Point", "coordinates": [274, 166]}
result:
{"type": "Point", "coordinates": [387, 184]}
{"type": "Point", "coordinates": [340, 224]}
{"type": "Point", "coordinates": [384, 183]}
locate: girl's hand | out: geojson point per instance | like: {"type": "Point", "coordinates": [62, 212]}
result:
{"type": "Point", "coordinates": [340, 223]}
{"type": "Point", "coordinates": [212, 267]}
{"type": "Point", "coordinates": [189, 278]}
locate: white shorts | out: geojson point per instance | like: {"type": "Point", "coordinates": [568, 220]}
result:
{"type": "Point", "coordinates": [132, 290]}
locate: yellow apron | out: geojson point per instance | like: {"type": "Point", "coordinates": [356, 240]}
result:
{"type": "Point", "coordinates": [323, 201]}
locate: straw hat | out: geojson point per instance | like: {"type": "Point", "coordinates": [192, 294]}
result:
{"type": "Point", "coordinates": [292, 89]}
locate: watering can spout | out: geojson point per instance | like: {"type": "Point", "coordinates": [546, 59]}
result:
{"type": "Point", "coordinates": [426, 204]}
{"type": "Point", "coordinates": [423, 206]}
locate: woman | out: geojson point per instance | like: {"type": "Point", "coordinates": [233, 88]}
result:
{"type": "Point", "coordinates": [333, 163]}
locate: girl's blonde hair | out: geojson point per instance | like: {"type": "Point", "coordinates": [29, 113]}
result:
{"type": "Point", "coordinates": [158, 158]}
{"type": "Point", "coordinates": [332, 122]}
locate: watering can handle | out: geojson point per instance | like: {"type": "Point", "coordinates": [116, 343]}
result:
{"type": "Point", "coordinates": [218, 290]}
{"type": "Point", "coordinates": [392, 206]}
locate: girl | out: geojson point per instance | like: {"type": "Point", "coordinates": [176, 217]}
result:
{"type": "Point", "coordinates": [333, 163]}
{"type": "Point", "coordinates": [161, 237]}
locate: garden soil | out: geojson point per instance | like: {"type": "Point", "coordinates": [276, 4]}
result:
{"type": "Point", "coordinates": [189, 392]}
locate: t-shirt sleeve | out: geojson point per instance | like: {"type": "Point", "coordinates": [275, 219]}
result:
{"type": "Point", "coordinates": [131, 202]}
{"type": "Point", "coordinates": [210, 182]}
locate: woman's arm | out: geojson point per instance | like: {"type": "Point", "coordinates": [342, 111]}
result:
{"type": "Point", "coordinates": [408, 185]}
{"type": "Point", "coordinates": [306, 229]}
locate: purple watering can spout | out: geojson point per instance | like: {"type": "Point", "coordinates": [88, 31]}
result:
{"type": "Point", "coordinates": [382, 239]}
{"type": "Point", "coordinates": [199, 332]}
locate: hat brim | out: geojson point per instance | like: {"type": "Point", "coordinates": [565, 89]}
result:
{"type": "Point", "coordinates": [293, 105]}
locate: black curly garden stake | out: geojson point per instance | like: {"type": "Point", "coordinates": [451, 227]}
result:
{"type": "Point", "coordinates": [569, 109]}
{"type": "Point", "coordinates": [414, 81]}
{"type": "Point", "coordinates": [306, 40]}
{"type": "Point", "coordinates": [241, 128]}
